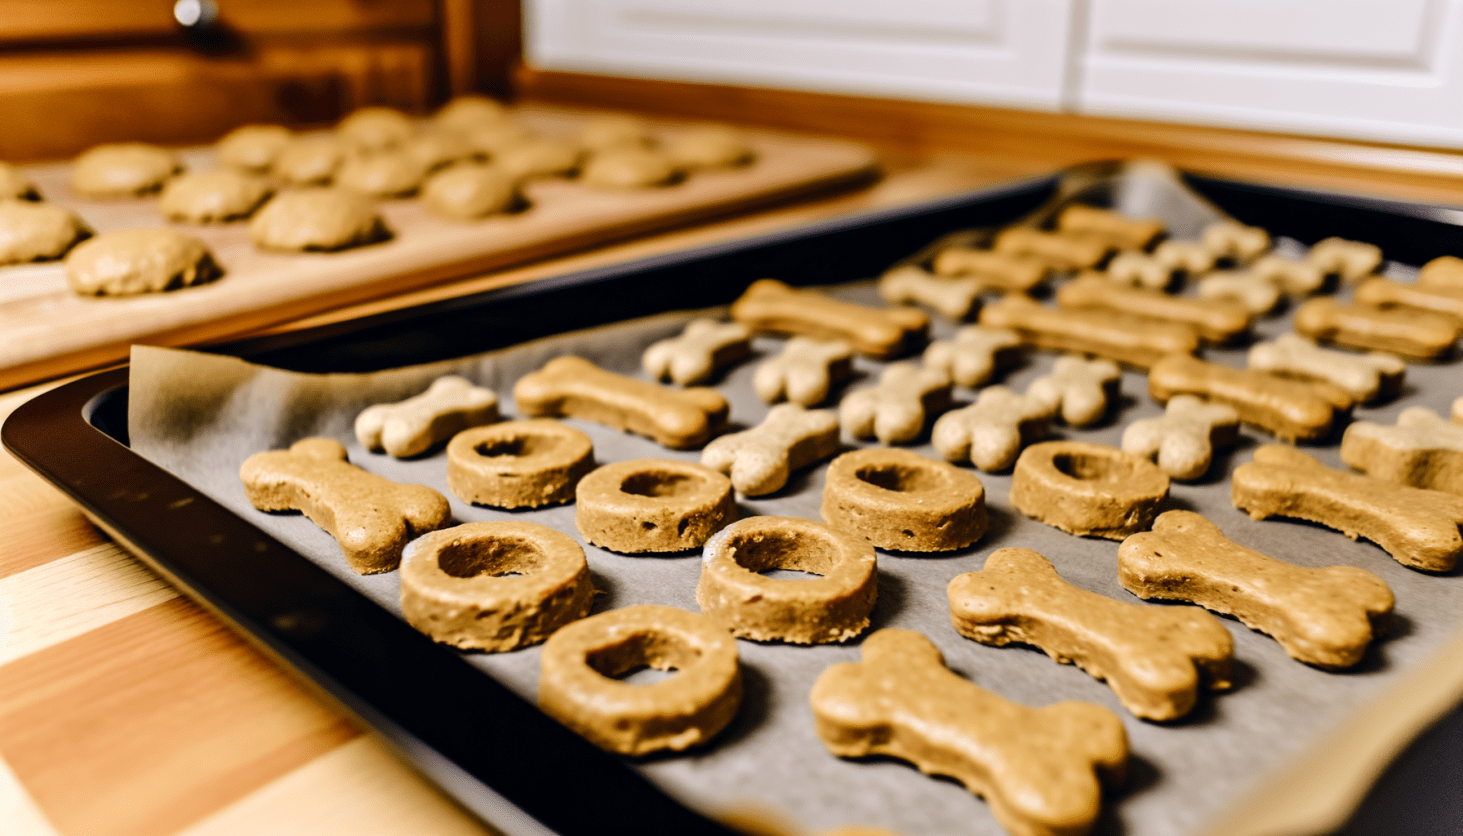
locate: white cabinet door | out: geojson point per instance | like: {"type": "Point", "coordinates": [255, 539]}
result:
{"type": "Point", "coordinates": [1388, 70]}
{"type": "Point", "coordinates": [989, 51]}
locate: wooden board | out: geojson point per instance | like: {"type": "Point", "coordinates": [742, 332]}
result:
{"type": "Point", "coordinates": [46, 330]}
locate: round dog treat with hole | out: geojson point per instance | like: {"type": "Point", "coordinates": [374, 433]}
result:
{"type": "Point", "coordinates": [902, 501]}
{"type": "Point", "coordinates": [652, 505]}
{"type": "Point", "coordinates": [494, 586]}
{"type": "Point", "coordinates": [579, 664]}
{"type": "Point", "coordinates": [1090, 490]}
{"type": "Point", "coordinates": [518, 464]}
{"type": "Point", "coordinates": [831, 608]}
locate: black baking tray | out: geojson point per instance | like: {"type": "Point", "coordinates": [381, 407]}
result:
{"type": "Point", "coordinates": [511, 763]}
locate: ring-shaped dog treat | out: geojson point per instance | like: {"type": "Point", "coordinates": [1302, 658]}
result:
{"type": "Point", "coordinates": [494, 586]}
{"type": "Point", "coordinates": [902, 501]}
{"type": "Point", "coordinates": [830, 608]}
{"type": "Point", "coordinates": [577, 684]}
{"type": "Point", "coordinates": [1088, 489]}
{"type": "Point", "coordinates": [518, 464]}
{"type": "Point", "coordinates": [652, 505]}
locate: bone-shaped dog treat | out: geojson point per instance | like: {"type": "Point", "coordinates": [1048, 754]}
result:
{"type": "Point", "coordinates": [975, 355]}
{"type": "Point", "coordinates": [1364, 377]}
{"type": "Point", "coordinates": [1078, 389]}
{"type": "Point", "coordinates": [705, 346]}
{"type": "Point", "coordinates": [1385, 293]}
{"type": "Point", "coordinates": [1122, 231]}
{"type": "Point", "coordinates": [896, 410]}
{"type": "Point", "coordinates": [761, 459]}
{"type": "Point", "coordinates": [991, 432]}
{"type": "Point", "coordinates": [1250, 290]}
{"type": "Point", "coordinates": [406, 428]}
{"type": "Point", "coordinates": [1417, 334]}
{"type": "Point", "coordinates": [1040, 769]}
{"type": "Point", "coordinates": [1063, 251]}
{"type": "Point", "coordinates": [1418, 527]}
{"type": "Point", "coordinates": [1190, 257]}
{"type": "Point", "coordinates": [1291, 410]}
{"type": "Point", "coordinates": [1137, 269]}
{"type": "Point", "coordinates": [681, 419]}
{"type": "Point", "coordinates": [956, 297]}
{"type": "Point", "coordinates": [1184, 437]}
{"type": "Point", "coordinates": [1216, 320]}
{"type": "Point", "coordinates": [1293, 276]}
{"type": "Point", "coordinates": [370, 516]}
{"type": "Point", "coordinates": [804, 372]}
{"type": "Point", "coordinates": [1235, 241]}
{"type": "Point", "coordinates": [770, 305]}
{"type": "Point", "coordinates": [1443, 271]}
{"type": "Point", "coordinates": [1423, 450]}
{"type": "Point", "coordinates": [1153, 658]}
{"type": "Point", "coordinates": [1126, 339]}
{"type": "Point", "coordinates": [1324, 617]}
{"type": "Point", "coordinates": [1012, 273]}
{"type": "Point", "coordinates": [1351, 260]}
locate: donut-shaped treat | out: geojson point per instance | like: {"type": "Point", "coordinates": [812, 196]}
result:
{"type": "Point", "coordinates": [1088, 489]}
{"type": "Point", "coordinates": [902, 501]}
{"type": "Point", "coordinates": [518, 464]}
{"type": "Point", "coordinates": [652, 505]}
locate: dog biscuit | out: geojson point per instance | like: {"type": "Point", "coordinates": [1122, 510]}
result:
{"type": "Point", "coordinates": [804, 372]}
{"type": "Point", "coordinates": [770, 305]}
{"type": "Point", "coordinates": [1293, 276]}
{"type": "Point", "coordinates": [419, 423]}
{"type": "Point", "coordinates": [896, 410]}
{"type": "Point", "coordinates": [761, 459]}
{"type": "Point", "coordinates": [122, 169]}
{"type": "Point", "coordinates": [1324, 617]}
{"type": "Point", "coordinates": [1078, 389]}
{"type": "Point", "coordinates": [1351, 260]}
{"type": "Point", "coordinates": [1189, 257]}
{"type": "Point", "coordinates": [1041, 770]}
{"type": "Point", "coordinates": [704, 347]}
{"type": "Point", "coordinates": [1217, 321]}
{"type": "Point", "coordinates": [1060, 250]}
{"type": "Point", "coordinates": [991, 432]}
{"type": "Point", "coordinates": [375, 128]}
{"type": "Point", "coordinates": [628, 167]}
{"type": "Point", "coordinates": [1291, 410]}
{"type": "Point", "coordinates": [1443, 271]}
{"type": "Point", "coordinates": [902, 501]}
{"type": "Point", "coordinates": [1124, 232]}
{"type": "Point", "coordinates": [1413, 334]}
{"type": "Point", "coordinates": [1364, 377]}
{"type": "Point", "coordinates": [518, 464]}
{"type": "Point", "coordinates": [370, 516]}
{"type": "Point", "coordinates": [956, 297]}
{"type": "Point", "coordinates": [1385, 293]}
{"type": "Point", "coordinates": [1090, 490]}
{"type": "Point", "coordinates": [1008, 272]}
{"type": "Point", "coordinates": [130, 262]}
{"type": "Point", "coordinates": [1184, 437]}
{"type": "Point", "coordinates": [1235, 241]}
{"type": "Point", "coordinates": [681, 419]}
{"type": "Point", "coordinates": [1138, 269]}
{"type": "Point", "coordinates": [975, 355]}
{"type": "Point", "coordinates": [1154, 658]}
{"type": "Point", "coordinates": [1423, 450]}
{"type": "Point", "coordinates": [1246, 288]}
{"type": "Point", "coordinates": [652, 505]}
{"type": "Point", "coordinates": [1131, 340]}
{"type": "Point", "coordinates": [1417, 527]}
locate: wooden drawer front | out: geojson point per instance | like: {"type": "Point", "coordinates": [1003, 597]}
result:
{"type": "Point", "coordinates": [50, 20]}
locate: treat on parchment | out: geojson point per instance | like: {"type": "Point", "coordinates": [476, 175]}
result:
{"type": "Point", "coordinates": [1189, 257]}
{"type": "Point", "coordinates": [467, 191]}
{"type": "Point", "coordinates": [469, 110]}
{"type": "Point", "coordinates": [1090, 490]}
{"type": "Point", "coordinates": [1126, 339]}
{"type": "Point", "coordinates": [370, 516]}
{"type": "Point", "coordinates": [1423, 450]}
{"type": "Point", "coordinates": [1246, 288]}
{"type": "Point", "coordinates": [489, 139]}
{"type": "Point", "coordinates": [309, 161]}
{"type": "Point", "coordinates": [1235, 241]}
{"type": "Point", "coordinates": [1291, 410]}
{"type": "Point", "coordinates": [832, 607]}
{"type": "Point", "coordinates": [709, 146]}
{"type": "Point", "coordinates": [628, 167]}
{"type": "Point", "coordinates": [518, 464]}
{"type": "Point", "coordinates": [1421, 335]}
{"type": "Point", "coordinates": [579, 664]}
{"type": "Point", "coordinates": [1139, 269]}
{"type": "Point", "coordinates": [704, 347]}
{"type": "Point", "coordinates": [317, 219]}
{"type": "Point", "coordinates": [957, 297]}
{"type": "Point", "coordinates": [413, 426]}
{"type": "Point", "coordinates": [573, 387]}
{"type": "Point", "coordinates": [881, 333]}
{"type": "Point", "coordinates": [124, 169]}
{"type": "Point", "coordinates": [1002, 271]}
{"type": "Point", "coordinates": [610, 132]}
{"type": "Point", "coordinates": [32, 231]}
{"type": "Point", "coordinates": [976, 353]}
{"type": "Point", "coordinates": [902, 501]}
{"type": "Point", "coordinates": [652, 505]}
{"type": "Point", "coordinates": [135, 261]}
{"type": "Point", "coordinates": [437, 148]}
{"type": "Point", "coordinates": [1443, 271]}
{"type": "Point", "coordinates": [203, 197]}
{"type": "Point", "coordinates": [1124, 232]}
{"type": "Point", "coordinates": [15, 185]}
{"type": "Point", "coordinates": [991, 432]}
{"type": "Point", "coordinates": [1293, 276]}
{"type": "Point", "coordinates": [494, 586]}
{"type": "Point", "coordinates": [1061, 251]}
{"type": "Point", "coordinates": [384, 174]}
{"type": "Point", "coordinates": [1078, 389]}
{"type": "Point", "coordinates": [1216, 321]}
{"type": "Point", "coordinates": [1385, 293]}
{"type": "Point", "coordinates": [375, 128]}
{"type": "Point", "coordinates": [761, 459]}
{"type": "Point", "coordinates": [253, 148]}
{"type": "Point", "coordinates": [1041, 770]}
{"type": "Point", "coordinates": [1324, 617]}
{"type": "Point", "coordinates": [1182, 440]}
{"type": "Point", "coordinates": [896, 410]}
{"type": "Point", "coordinates": [1155, 659]}
{"type": "Point", "coordinates": [539, 158]}
{"type": "Point", "coordinates": [1351, 260]}
{"type": "Point", "coordinates": [1364, 377]}
{"type": "Point", "coordinates": [804, 372]}
{"type": "Point", "coordinates": [1417, 527]}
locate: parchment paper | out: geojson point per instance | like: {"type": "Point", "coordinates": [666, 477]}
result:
{"type": "Point", "coordinates": [200, 416]}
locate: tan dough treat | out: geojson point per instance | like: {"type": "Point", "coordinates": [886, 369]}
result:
{"type": "Point", "coordinates": [652, 505]}
{"type": "Point", "coordinates": [309, 161]}
{"type": "Point", "coordinates": [1090, 490]}
{"type": "Point", "coordinates": [467, 191]}
{"type": "Point", "coordinates": [1126, 339]}
{"type": "Point", "coordinates": [804, 372]}
{"type": "Point", "coordinates": [382, 174]}
{"type": "Point", "coordinates": [712, 146]}
{"type": "Point", "coordinates": [1423, 450]}
{"type": "Point", "coordinates": [1124, 232]}
{"type": "Point", "coordinates": [1351, 260]}
{"type": "Point", "coordinates": [681, 419]}
{"type": "Point", "coordinates": [770, 305]}
{"type": "Point", "coordinates": [14, 185]}
{"type": "Point", "coordinates": [1184, 437]}
{"type": "Point", "coordinates": [1417, 527]}
{"type": "Point", "coordinates": [1155, 659]}
{"type": "Point", "coordinates": [699, 352]}
{"type": "Point", "coordinates": [469, 110]}
{"type": "Point", "coordinates": [628, 167]}
{"type": "Point", "coordinates": [611, 132]}
{"type": "Point", "coordinates": [1293, 276]}
{"type": "Point", "coordinates": [991, 432]}
{"type": "Point", "coordinates": [493, 138]}
{"type": "Point", "coordinates": [1060, 250]}
{"type": "Point", "coordinates": [832, 607]}
{"type": "Point", "coordinates": [324, 219]}
{"type": "Point", "coordinates": [437, 148]}
{"type": "Point", "coordinates": [1364, 377]}
{"type": "Point", "coordinates": [370, 516]}
{"type": "Point", "coordinates": [37, 231]}
{"type": "Point", "coordinates": [538, 158]}
{"type": "Point", "coordinates": [137, 261]}
{"type": "Point", "coordinates": [1246, 288]}
{"type": "Point", "coordinates": [957, 298]}
{"type": "Point", "coordinates": [1385, 293]}
{"type": "Point", "coordinates": [253, 147]}
{"type": "Point", "coordinates": [1041, 770]}
{"type": "Point", "coordinates": [898, 500]}
{"type": "Point", "coordinates": [1291, 410]}
{"type": "Point", "coordinates": [125, 169]}
{"type": "Point", "coordinates": [1139, 269]}
{"type": "Point", "coordinates": [518, 464]}
{"type": "Point", "coordinates": [1456, 413]}
{"type": "Point", "coordinates": [896, 410]}
{"type": "Point", "coordinates": [213, 196]}
{"type": "Point", "coordinates": [1190, 257]}
{"type": "Point", "coordinates": [1004, 271]}
{"type": "Point", "coordinates": [1443, 271]}
{"type": "Point", "coordinates": [1216, 321]}
{"type": "Point", "coordinates": [375, 129]}
{"type": "Point", "coordinates": [411, 427]}
{"type": "Point", "coordinates": [1078, 389]}
{"type": "Point", "coordinates": [1413, 334]}
{"type": "Point", "coordinates": [1324, 617]}
{"type": "Point", "coordinates": [494, 586]}
{"type": "Point", "coordinates": [761, 459]}
{"type": "Point", "coordinates": [1235, 241]}
{"type": "Point", "coordinates": [975, 355]}
{"type": "Point", "coordinates": [576, 684]}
